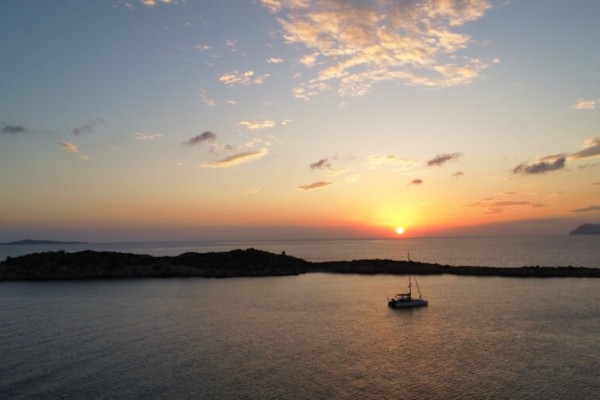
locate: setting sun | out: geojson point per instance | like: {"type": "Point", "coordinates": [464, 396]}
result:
{"type": "Point", "coordinates": [400, 230]}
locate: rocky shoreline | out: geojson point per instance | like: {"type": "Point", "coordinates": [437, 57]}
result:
{"type": "Point", "coordinates": [60, 265]}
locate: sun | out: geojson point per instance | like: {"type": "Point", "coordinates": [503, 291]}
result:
{"type": "Point", "coordinates": [400, 230]}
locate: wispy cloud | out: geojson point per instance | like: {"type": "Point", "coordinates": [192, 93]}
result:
{"type": "Point", "coordinates": [458, 174]}
{"type": "Point", "coordinates": [149, 136]}
{"type": "Point", "coordinates": [591, 208]}
{"type": "Point", "coordinates": [237, 159]}
{"type": "Point", "coordinates": [257, 125]}
{"type": "Point", "coordinates": [376, 161]}
{"type": "Point", "coordinates": [546, 164]}
{"type": "Point", "coordinates": [205, 99]}
{"type": "Point", "coordinates": [416, 181]}
{"type": "Point", "coordinates": [9, 129]}
{"type": "Point", "coordinates": [73, 148]}
{"type": "Point", "coordinates": [88, 127]}
{"type": "Point", "coordinates": [321, 164]}
{"type": "Point", "coordinates": [154, 3]}
{"type": "Point", "coordinates": [315, 185]}
{"type": "Point", "coordinates": [274, 60]}
{"type": "Point", "coordinates": [495, 206]}
{"type": "Point", "coordinates": [441, 159]}
{"type": "Point", "coordinates": [585, 104]}
{"type": "Point", "coordinates": [242, 78]}
{"type": "Point", "coordinates": [358, 44]}
{"type": "Point", "coordinates": [201, 138]}
{"type": "Point", "coordinates": [203, 47]}
{"type": "Point", "coordinates": [591, 148]}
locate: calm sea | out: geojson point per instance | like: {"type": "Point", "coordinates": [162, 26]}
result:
{"type": "Point", "coordinates": [314, 336]}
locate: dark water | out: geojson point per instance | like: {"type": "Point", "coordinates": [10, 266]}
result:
{"type": "Point", "coordinates": [581, 251]}
{"type": "Point", "coordinates": [315, 336]}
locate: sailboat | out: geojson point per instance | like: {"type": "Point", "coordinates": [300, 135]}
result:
{"type": "Point", "coordinates": [405, 300]}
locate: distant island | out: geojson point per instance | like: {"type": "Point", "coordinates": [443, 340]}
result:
{"type": "Point", "coordinates": [33, 242]}
{"type": "Point", "coordinates": [88, 264]}
{"type": "Point", "coordinates": [586, 229]}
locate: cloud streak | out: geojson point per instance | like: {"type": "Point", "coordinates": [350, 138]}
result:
{"type": "Point", "coordinates": [8, 129]}
{"type": "Point", "coordinates": [315, 185]}
{"type": "Point", "coordinates": [591, 208]}
{"type": "Point", "coordinates": [237, 159]}
{"type": "Point", "coordinates": [321, 164]}
{"type": "Point", "coordinates": [586, 104]}
{"type": "Point", "coordinates": [441, 159]}
{"type": "Point", "coordinates": [354, 45]}
{"type": "Point", "coordinates": [87, 128]}
{"type": "Point", "coordinates": [546, 164]}
{"type": "Point", "coordinates": [242, 78]}
{"type": "Point", "coordinates": [201, 138]}
{"type": "Point", "coordinates": [591, 148]}
{"type": "Point", "coordinates": [257, 125]}
{"type": "Point", "coordinates": [74, 149]}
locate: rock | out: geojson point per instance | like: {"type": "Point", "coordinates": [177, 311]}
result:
{"type": "Point", "coordinates": [586, 229]}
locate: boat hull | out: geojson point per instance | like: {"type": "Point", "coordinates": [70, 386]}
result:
{"type": "Point", "coordinates": [407, 304]}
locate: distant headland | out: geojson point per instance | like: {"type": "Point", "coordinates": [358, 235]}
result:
{"type": "Point", "coordinates": [61, 265]}
{"type": "Point", "coordinates": [586, 229]}
{"type": "Point", "coordinates": [33, 242]}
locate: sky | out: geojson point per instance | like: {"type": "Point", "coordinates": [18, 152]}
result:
{"type": "Point", "coordinates": [127, 120]}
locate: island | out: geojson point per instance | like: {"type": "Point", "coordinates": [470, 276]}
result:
{"type": "Point", "coordinates": [88, 264]}
{"type": "Point", "coordinates": [586, 229]}
{"type": "Point", "coordinates": [35, 242]}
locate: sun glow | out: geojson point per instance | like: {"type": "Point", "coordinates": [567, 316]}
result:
{"type": "Point", "coordinates": [400, 230]}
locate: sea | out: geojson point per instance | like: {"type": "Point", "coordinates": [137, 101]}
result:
{"type": "Point", "coordinates": [312, 336]}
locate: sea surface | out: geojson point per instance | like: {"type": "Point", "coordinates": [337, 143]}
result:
{"type": "Point", "coordinates": [313, 336]}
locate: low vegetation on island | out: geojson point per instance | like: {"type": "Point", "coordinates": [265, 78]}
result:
{"type": "Point", "coordinates": [61, 265]}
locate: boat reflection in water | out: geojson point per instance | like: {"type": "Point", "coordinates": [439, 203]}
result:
{"type": "Point", "coordinates": [405, 300]}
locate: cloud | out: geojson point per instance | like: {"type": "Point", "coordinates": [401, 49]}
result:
{"type": "Point", "coordinates": [315, 185]}
{"type": "Point", "coordinates": [494, 206]}
{"type": "Point", "coordinates": [546, 164]}
{"type": "Point", "coordinates": [9, 129]}
{"type": "Point", "coordinates": [458, 174]}
{"type": "Point", "coordinates": [273, 60]}
{"type": "Point", "coordinates": [87, 128]}
{"type": "Point", "coordinates": [256, 125]}
{"type": "Point", "coordinates": [585, 104]}
{"type": "Point", "coordinates": [203, 47]}
{"type": "Point", "coordinates": [149, 136]}
{"type": "Point", "coordinates": [443, 158]}
{"type": "Point", "coordinates": [241, 78]}
{"type": "Point", "coordinates": [154, 3]}
{"type": "Point", "coordinates": [375, 161]}
{"type": "Point", "coordinates": [73, 148]}
{"type": "Point", "coordinates": [201, 138]}
{"type": "Point", "coordinates": [70, 147]}
{"type": "Point", "coordinates": [237, 159]}
{"type": "Point", "coordinates": [352, 45]}
{"type": "Point", "coordinates": [321, 164]}
{"type": "Point", "coordinates": [586, 209]}
{"type": "Point", "coordinates": [591, 148]}
{"type": "Point", "coordinates": [416, 181]}
{"type": "Point", "coordinates": [205, 99]}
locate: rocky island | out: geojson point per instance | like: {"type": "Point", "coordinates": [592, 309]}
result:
{"type": "Point", "coordinates": [61, 265]}
{"type": "Point", "coordinates": [586, 229]}
{"type": "Point", "coordinates": [36, 242]}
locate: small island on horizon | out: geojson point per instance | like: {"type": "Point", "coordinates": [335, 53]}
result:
{"type": "Point", "coordinates": [35, 242]}
{"type": "Point", "coordinates": [88, 264]}
{"type": "Point", "coordinates": [586, 229]}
